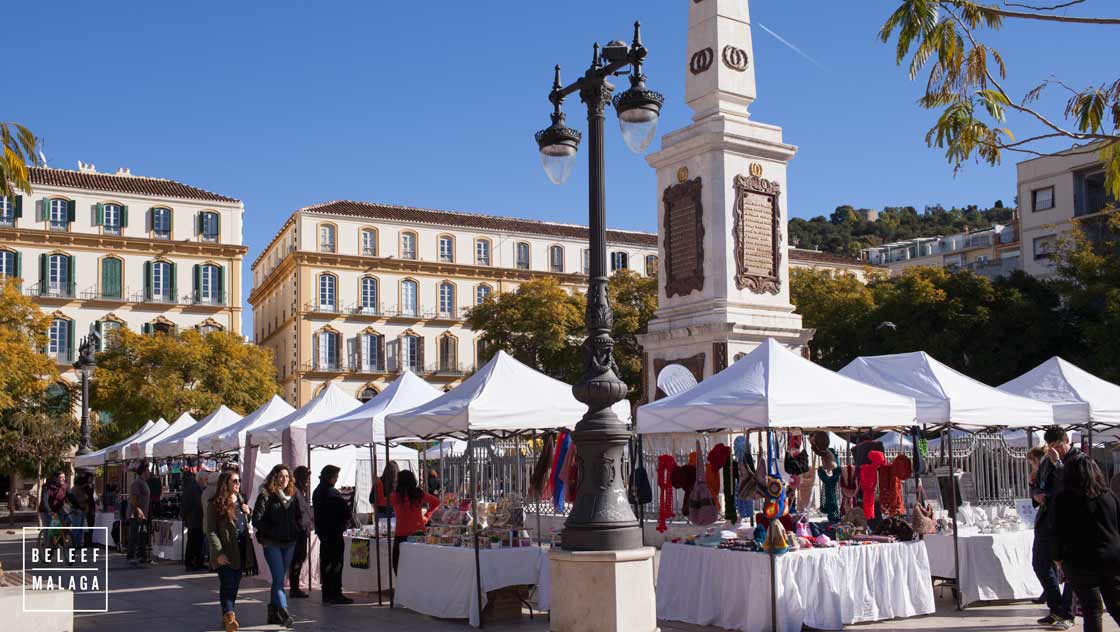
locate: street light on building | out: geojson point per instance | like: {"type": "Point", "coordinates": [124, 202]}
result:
{"type": "Point", "coordinates": [601, 518]}
{"type": "Point", "coordinates": [85, 364]}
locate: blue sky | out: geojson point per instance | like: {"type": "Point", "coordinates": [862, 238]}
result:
{"type": "Point", "coordinates": [434, 104]}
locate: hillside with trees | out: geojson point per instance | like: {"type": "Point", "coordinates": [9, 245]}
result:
{"type": "Point", "coordinates": [847, 230]}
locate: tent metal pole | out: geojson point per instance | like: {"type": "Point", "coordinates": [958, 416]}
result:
{"type": "Point", "coordinates": [390, 533]}
{"type": "Point", "coordinates": [474, 527]}
{"type": "Point", "coordinates": [376, 518]}
{"type": "Point", "coordinates": [773, 558]}
{"type": "Point", "coordinates": [953, 513]}
{"type": "Point", "coordinates": [537, 452]}
{"type": "Point", "coordinates": [1090, 427]}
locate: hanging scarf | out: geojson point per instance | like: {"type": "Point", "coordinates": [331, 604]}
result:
{"type": "Point", "coordinates": [745, 488]}
{"type": "Point", "coordinates": [538, 479]}
{"type": "Point", "coordinates": [830, 503]}
{"type": "Point", "coordinates": [868, 477]}
{"type": "Point", "coordinates": [848, 487]}
{"type": "Point", "coordinates": [563, 443]}
{"type": "Point", "coordinates": [666, 466]}
{"type": "Point", "coordinates": [571, 474]}
{"type": "Point", "coordinates": [775, 488]}
{"type": "Point", "coordinates": [718, 457]}
{"type": "Point", "coordinates": [684, 479]}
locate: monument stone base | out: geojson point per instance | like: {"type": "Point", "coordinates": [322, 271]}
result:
{"type": "Point", "coordinates": [602, 591]}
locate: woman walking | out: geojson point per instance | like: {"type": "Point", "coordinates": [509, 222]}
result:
{"type": "Point", "coordinates": [276, 517]}
{"type": "Point", "coordinates": [408, 503]}
{"type": "Point", "coordinates": [226, 526]}
{"type": "Point", "coordinates": [303, 492]}
{"type": "Point", "coordinates": [1087, 546]}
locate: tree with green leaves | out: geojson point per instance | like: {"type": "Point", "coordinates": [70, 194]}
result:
{"type": "Point", "coordinates": [1089, 279]}
{"type": "Point", "coordinates": [144, 377]}
{"type": "Point", "coordinates": [967, 84]}
{"type": "Point", "coordinates": [20, 151]}
{"type": "Point", "coordinates": [38, 437]}
{"type": "Point", "coordinates": [839, 307]}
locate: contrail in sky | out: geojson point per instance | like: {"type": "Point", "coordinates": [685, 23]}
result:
{"type": "Point", "coordinates": [791, 46]}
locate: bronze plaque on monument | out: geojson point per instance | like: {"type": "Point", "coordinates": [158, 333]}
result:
{"type": "Point", "coordinates": [683, 238]}
{"type": "Point", "coordinates": [757, 234]}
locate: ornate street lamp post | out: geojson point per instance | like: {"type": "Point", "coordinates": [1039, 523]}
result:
{"type": "Point", "coordinates": [85, 364]}
{"type": "Point", "coordinates": [601, 518]}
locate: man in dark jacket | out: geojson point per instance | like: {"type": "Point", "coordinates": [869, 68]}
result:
{"type": "Point", "coordinates": [1059, 453]}
{"type": "Point", "coordinates": [332, 516]}
{"type": "Point", "coordinates": [191, 509]}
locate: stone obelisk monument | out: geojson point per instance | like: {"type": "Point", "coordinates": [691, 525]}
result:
{"type": "Point", "coordinates": [722, 211]}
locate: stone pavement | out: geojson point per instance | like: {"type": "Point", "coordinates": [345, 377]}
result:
{"type": "Point", "coordinates": [164, 597]}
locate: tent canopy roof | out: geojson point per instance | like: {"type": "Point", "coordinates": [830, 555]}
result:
{"type": "Point", "coordinates": [1076, 395]}
{"type": "Point", "coordinates": [773, 387]}
{"type": "Point", "coordinates": [185, 441]}
{"type": "Point", "coordinates": [332, 402]}
{"type": "Point", "coordinates": [99, 457]}
{"type": "Point", "coordinates": [502, 397]}
{"type": "Point", "coordinates": [944, 395]}
{"type": "Point", "coordinates": [138, 447]}
{"type": "Point", "coordinates": [366, 424]}
{"type": "Point", "coordinates": [232, 437]}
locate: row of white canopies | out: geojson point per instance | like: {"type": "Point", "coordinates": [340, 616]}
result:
{"type": "Point", "coordinates": [771, 387]}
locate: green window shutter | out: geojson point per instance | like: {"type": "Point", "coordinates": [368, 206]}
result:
{"type": "Point", "coordinates": [221, 285]}
{"type": "Point", "coordinates": [198, 224]}
{"type": "Point", "coordinates": [111, 278]}
{"type": "Point", "coordinates": [419, 354]}
{"type": "Point", "coordinates": [44, 279]}
{"type": "Point", "coordinates": [99, 214]}
{"type": "Point", "coordinates": [218, 226]}
{"type": "Point", "coordinates": [97, 328]}
{"type": "Point", "coordinates": [69, 339]}
{"type": "Point", "coordinates": [124, 217]}
{"type": "Point", "coordinates": [42, 210]}
{"type": "Point", "coordinates": [146, 328]}
{"type": "Point", "coordinates": [71, 207]}
{"type": "Point", "coordinates": [70, 274]}
{"type": "Point", "coordinates": [149, 220]}
{"type": "Point", "coordinates": [196, 275]}
{"type": "Point", "coordinates": [18, 208]}
{"type": "Point", "coordinates": [174, 284]}
{"type": "Point", "coordinates": [147, 282]}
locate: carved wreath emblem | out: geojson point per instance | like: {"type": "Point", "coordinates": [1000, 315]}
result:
{"type": "Point", "coordinates": [735, 58]}
{"type": "Point", "coordinates": [701, 60]}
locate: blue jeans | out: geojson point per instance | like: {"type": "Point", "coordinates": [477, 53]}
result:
{"type": "Point", "coordinates": [279, 558]}
{"type": "Point", "coordinates": [229, 581]}
{"type": "Point", "coordinates": [1059, 601]}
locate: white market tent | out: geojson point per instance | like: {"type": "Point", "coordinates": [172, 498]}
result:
{"type": "Point", "coordinates": [944, 395]}
{"type": "Point", "coordinates": [99, 457]}
{"type": "Point", "coordinates": [121, 451]}
{"type": "Point", "coordinates": [1076, 395]}
{"type": "Point", "coordinates": [449, 447]}
{"type": "Point", "coordinates": [144, 448]}
{"type": "Point", "coordinates": [331, 402]}
{"type": "Point", "coordinates": [232, 437]}
{"type": "Point", "coordinates": [773, 387]}
{"type": "Point", "coordinates": [365, 425]}
{"type": "Point", "coordinates": [185, 442]}
{"type": "Point", "coordinates": [502, 397]}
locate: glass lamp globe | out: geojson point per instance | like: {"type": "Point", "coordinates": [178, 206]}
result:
{"type": "Point", "coordinates": [638, 112]}
{"type": "Point", "coordinates": [558, 146]}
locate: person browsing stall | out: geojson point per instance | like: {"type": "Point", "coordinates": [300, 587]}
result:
{"type": "Point", "coordinates": [332, 517]}
{"type": "Point", "coordinates": [412, 506]}
{"type": "Point", "coordinates": [1087, 519]}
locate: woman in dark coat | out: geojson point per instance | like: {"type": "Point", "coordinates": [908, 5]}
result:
{"type": "Point", "coordinates": [226, 525]}
{"type": "Point", "coordinates": [1087, 546]}
{"type": "Point", "coordinates": [276, 517]}
{"type": "Point", "coordinates": [303, 493]}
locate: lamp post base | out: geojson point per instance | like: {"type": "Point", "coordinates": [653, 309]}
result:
{"type": "Point", "coordinates": [602, 591]}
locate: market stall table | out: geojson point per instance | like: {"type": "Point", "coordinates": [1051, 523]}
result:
{"type": "Point", "coordinates": [821, 588]}
{"type": "Point", "coordinates": [103, 519]}
{"type": "Point", "coordinates": [167, 540]}
{"type": "Point", "coordinates": [358, 579]}
{"type": "Point", "coordinates": [993, 567]}
{"type": "Point", "coordinates": [439, 581]}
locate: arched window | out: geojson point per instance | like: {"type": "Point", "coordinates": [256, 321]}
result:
{"type": "Point", "coordinates": [366, 393]}
{"type": "Point", "coordinates": [112, 218]}
{"type": "Point", "coordinates": [448, 354]}
{"type": "Point", "coordinates": [60, 340]}
{"type": "Point", "coordinates": [326, 238]}
{"type": "Point", "coordinates": [482, 252]}
{"type": "Point", "coordinates": [481, 350]}
{"type": "Point", "coordinates": [9, 264]}
{"type": "Point", "coordinates": [160, 281]}
{"type": "Point", "coordinates": [207, 328]}
{"type": "Point", "coordinates": [160, 219]}
{"type": "Point", "coordinates": [619, 261]}
{"type": "Point", "coordinates": [328, 295]}
{"type": "Point", "coordinates": [446, 299]}
{"type": "Point", "coordinates": [8, 212]}
{"type": "Point", "coordinates": [521, 255]}
{"type": "Point", "coordinates": [408, 298]}
{"type": "Point", "coordinates": [112, 273]}
{"type": "Point", "coordinates": [369, 242]}
{"type": "Point", "coordinates": [208, 284]}
{"type": "Point", "coordinates": [368, 293]}
{"type": "Point", "coordinates": [651, 265]}
{"type": "Point", "coordinates": [57, 275]}
{"type": "Point", "coordinates": [107, 331]}
{"type": "Point", "coordinates": [326, 350]}
{"type": "Point", "coordinates": [408, 245]}
{"type": "Point", "coordinates": [370, 347]}
{"type": "Point", "coordinates": [481, 293]}
{"type": "Point", "coordinates": [446, 249]}
{"type": "Point", "coordinates": [410, 353]}
{"type": "Point", "coordinates": [60, 213]}
{"type": "Point", "coordinates": [209, 226]}
{"type": "Point", "coordinates": [556, 258]}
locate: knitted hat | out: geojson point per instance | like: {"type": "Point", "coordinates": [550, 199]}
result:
{"type": "Point", "coordinates": [819, 442]}
{"type": "Point", "coordinates": [718, 456]}
{"type": "Point", "coordinates": [901, 467]}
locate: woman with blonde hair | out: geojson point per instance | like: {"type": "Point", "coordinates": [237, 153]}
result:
{"type": "Point", "coordinates": [226, 520]}
{"type": "Point", "coordinates": [276, 517]}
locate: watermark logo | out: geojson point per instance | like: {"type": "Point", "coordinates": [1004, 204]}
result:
{"type": "Point", "coordinates": [55, 560]}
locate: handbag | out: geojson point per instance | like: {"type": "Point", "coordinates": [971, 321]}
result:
{"type": "Point", "coordinates": [248, 554]}
{"type": "Point", "coordinates": [775, 489]}
{"type": "Point", "coordinates": [921, 516]}
{"type": "Point", "coordinates": [702, 508]}
{"type": "Point", "coordinates": [640, 491]}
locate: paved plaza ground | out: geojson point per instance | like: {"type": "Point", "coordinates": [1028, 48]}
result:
{"type": "Point", "coordinates": [164, 597]}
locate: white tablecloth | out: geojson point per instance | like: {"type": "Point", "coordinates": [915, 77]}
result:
{"type": "Point", "coordinates": [544, 583]}
{"type": "Point", "coordinates": [103, 519]}
{"type": "Point", "coordinates": [167, 539]}
{"type": "Point", "coordinates": [440, 580]}
{"type": "Point", "coordinates": [996, 566]}
{"type": "Point", "coordinates": [822, 588]}
{"type": "Point", "coordinates": [365, 579]}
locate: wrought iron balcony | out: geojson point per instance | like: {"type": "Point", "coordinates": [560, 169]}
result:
{"type": "Point", "coordinates": [50, 290]}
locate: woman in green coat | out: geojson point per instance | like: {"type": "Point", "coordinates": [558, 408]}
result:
{"type": "Point", "coordinates": [226, 527]}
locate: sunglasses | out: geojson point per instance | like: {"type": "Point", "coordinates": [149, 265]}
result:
{"type": "Point", "coordinates": [235, 480]}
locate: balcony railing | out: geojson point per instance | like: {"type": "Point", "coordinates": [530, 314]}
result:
{"type": "Point", "coordinates": [391, 311]}
{"type": "Point", "coordinates": [446, 369]}
{"type": "Point", "coordinates": [49, 291]}
{"type": "Point", "coordinates": [344, 366]}
{"type": "Point", "coordinates": [212, 301]}
{"type": "Point", "coordinates": [61, 357]}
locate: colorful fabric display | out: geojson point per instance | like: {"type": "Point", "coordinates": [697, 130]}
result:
{"type": "Point", "coordinates": [702, 509]}
{"type": "Point", "coordinates": [666, 466]}
{"type": "Point", "coordinates": [684, 479]}
{"type": "Point", "coordinates": [777, 541]}
{"type": "Point", "coordinates": [538, 481]}
{"type": "Point", "coordinates": [868, 478]}
{"type": "Point", "coordinates": [746, 490]}
{"type": "Point", "coordinates": [563, 442]}
{"type": "Point", "coordinates": [775, 488]}
{"type": "Point", "coordinates": [571, 475]}
{"type": "Point", "coordinates": [890, 486]}
{"type": "Point", "coordinates": [830, 503]}
{"type": "Point", "coordinates": [849, 484]}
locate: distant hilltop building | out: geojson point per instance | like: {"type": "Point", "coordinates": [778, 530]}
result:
{"type": "Point", "coordinates": [990, 252]}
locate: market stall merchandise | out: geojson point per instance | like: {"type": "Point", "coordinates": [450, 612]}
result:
{"type": "Point", "coordinates": [100, 457]}
{"type": "Point", "coordinates": [441, 581]}
{"type": "Point", "coordinates": [118, 452]}
{"type": "Point", "coordinates": [184, 442]}
{"type": "Point", "coordinates": [167, 539]}
{"type": "Point", "coordinates": [232, 437]}
{"type": "Point", "coordinates": [824, 588]}
{"type": "Point", "coordinates": [360, 566]}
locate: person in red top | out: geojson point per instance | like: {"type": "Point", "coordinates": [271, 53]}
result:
{"type": "Point", "coordinates": [411, 506]}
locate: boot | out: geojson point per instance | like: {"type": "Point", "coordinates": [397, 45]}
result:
{"type": "Point", "coordinates": [296, 593]}
{"type": "Point", "coordinates": [285, 618]}
{"type": "Point", "coordinates": [273, 615]}
{"type": "Point", "coordinates": [229, 620]}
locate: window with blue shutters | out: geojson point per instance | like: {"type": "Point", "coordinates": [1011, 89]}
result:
{"type": "Point", "coordinates": [209, 226]}
{"type": "Point", "coordinates": [59, 213]}
{"type": "Point", "coordinates": [9, 264]}
{"type": "Point", "coordinates": [408, 298]}
{"type": "Point", "coordinates": [161, 223]}
{"type": "Point", "coordinates": [161, 282]}
{"type": "Point", "coordinates": [57, 275]}
{"type": "Point", "coordinates": [368, 295]}
{"type": "Point", "coordinates": [327, 292]}
{"type": "Point", "coordinates": [59, 338]}
{"type": "Point", "coordinates": [8, 206]}
{"type": "Point", "coordinates": [208, 284]}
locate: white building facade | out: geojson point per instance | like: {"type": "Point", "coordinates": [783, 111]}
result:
{"type": "Point", "coordinates": [100, 251]}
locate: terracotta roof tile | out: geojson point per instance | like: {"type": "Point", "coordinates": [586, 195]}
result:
{"type": "Point", "coordinates": [799, 254]}
{"type": "Point", "coordinates": [138, 185]}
